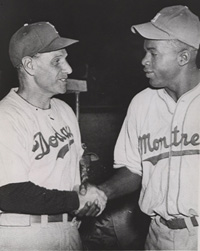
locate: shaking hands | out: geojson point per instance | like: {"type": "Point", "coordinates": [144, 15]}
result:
{"type": "Point", "coordinates": [92, 201]}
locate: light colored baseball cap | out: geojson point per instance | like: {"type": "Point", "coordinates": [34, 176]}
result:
{"type": "Point", "coordinates": [35, 38]}
{"type": "Point", "coordinates": [174, 22]}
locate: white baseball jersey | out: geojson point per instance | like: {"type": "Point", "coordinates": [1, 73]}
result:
{"type": "Point", "coordinates": [41, 146]}
{"type": "Point", "coordinates": [160, 140]}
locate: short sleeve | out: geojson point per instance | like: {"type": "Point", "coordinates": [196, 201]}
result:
{"type": "Point", "coordinates": [126, 151]}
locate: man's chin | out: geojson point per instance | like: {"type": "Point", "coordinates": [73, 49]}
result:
{"type": "Point", "coordinates": [155, 84]}
{"type": "Point", "coordinates": [62, 90]}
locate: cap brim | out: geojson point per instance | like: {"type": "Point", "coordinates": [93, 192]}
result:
{"type": "Point", "coordinates": [59, 43]}
{"type": "Point", "coordinates": [149, 31]}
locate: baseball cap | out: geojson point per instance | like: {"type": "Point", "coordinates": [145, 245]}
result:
{"type": "Point", "coordinates": [35, 38]}
{"type": "Point", "coordinates": [174, 22]}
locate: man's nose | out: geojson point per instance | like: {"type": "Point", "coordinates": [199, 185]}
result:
{"type": "Point", "coordinates": [67, 68]}
{"type": "Point", "coordinates": [145, 60]}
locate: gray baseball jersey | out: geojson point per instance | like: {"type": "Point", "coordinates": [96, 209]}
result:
{"type": "Point", "coordinates": [41, 146]}
{"type": "Point", "coordinates": [160, 140]}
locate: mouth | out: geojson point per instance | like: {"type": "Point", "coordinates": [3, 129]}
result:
{"type": "Point", "coordinates": [64, 80]}
{"type": "Point", "coordinates": [149, 74]}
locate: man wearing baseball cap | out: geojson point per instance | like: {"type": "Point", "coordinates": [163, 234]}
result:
{"type": "Point", "coordinates": [159, 143]}
{"type": "Point", "coordinates": [40, 149]}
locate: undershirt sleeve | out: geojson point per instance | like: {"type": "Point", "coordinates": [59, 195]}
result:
{"type": "Point", "coordinates": [28, 198]}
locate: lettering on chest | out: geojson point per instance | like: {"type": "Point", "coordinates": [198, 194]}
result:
{"type": "Point", "coordinates": [43, 146]}
{"type": "Point", "coordinates": [147, 144]}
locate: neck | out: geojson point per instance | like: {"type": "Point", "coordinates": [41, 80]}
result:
{"type": "Point", "coordinates": [185, 83]}
{"type": "Point", "coordinates": [35, 99]}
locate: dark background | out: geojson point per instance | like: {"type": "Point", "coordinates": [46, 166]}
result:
{"type": "Point", "coordinates": [108, 56]}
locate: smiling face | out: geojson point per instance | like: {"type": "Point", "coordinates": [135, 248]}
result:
{"type": "Point", "coordinates": [51, 72]}
{"type": "Point", "coordinates": [161, 64]}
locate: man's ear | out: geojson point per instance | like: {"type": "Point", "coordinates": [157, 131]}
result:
{"type": "Point", "coordinates": [28, 65]}
{"type": "Point", "coordinates": [183, 57]}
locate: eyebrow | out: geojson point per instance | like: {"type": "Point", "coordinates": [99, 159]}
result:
{"type": "Point", "coordinates": [149, 48]}
{"type": "Point", "coordinates": [61, 55]}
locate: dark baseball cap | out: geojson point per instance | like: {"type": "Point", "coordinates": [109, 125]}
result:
{"type": "Point", "coordinates": [174, 22]}
{"type": "Point", "coordinates": [35, 38]}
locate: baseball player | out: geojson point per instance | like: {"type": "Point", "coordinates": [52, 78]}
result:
{"type": "Point", "coordinates": [40, 149]}
{"type": "Point", "coordinates": [159, 143]}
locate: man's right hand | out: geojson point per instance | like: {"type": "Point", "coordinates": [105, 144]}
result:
{"type": "Point", "coordinates": [92, 203]}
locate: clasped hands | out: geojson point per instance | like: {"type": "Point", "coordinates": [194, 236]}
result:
{"type": "Point", "coordinates": [92, 201]}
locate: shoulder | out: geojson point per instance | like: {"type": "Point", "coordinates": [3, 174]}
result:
{"type": "Point", "coordinates": [15, 112]}
{"type": "Point", "coordinates": [147, 93]}
{"type": "Point", "coordinates": [9, 107]}
{"type": "Point", "coordinates": [12, 101]}
{"type": "Point", "coordinates": [143, 99]}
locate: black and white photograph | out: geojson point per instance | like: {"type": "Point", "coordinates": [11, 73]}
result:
{"type": "Point", "coordinates": [99, 125]}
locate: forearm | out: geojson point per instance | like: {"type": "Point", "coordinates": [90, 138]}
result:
{"type": "Point", "coordinates": [121, 183]}
{"type": "Point", "coordinates": [29, 198]}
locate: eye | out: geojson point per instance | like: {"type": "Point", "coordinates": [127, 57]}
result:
{"type": "Point", "coordinates": [56, 61]}
{"type": "Point", "coordinates": [153, 54]}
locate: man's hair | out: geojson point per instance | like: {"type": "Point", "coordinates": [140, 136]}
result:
{"type": "Point", "coordinates": [21, 73]}
{"type": "Point", "coordinates": [180, 46]}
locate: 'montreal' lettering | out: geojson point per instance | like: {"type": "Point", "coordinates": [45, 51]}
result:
{"type": "Point", "coordinates": [147, 144]}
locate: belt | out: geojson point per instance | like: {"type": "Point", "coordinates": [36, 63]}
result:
{"type": "Point", "coordinates": [10, 219]}
{"type": "Point", "coordinates": [178, 223]}
{"type": "Point", "coordinates": [50, 218]}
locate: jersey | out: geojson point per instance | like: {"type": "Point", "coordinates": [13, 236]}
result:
{"type": "Point", "coordinates": [160, 140]}
{"type": "Point", "coordinates": [41, 146]}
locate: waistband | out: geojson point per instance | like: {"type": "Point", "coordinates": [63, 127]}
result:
{"type": "Point", "coordinates": [10, 219]}
{"type": "Point", "coordinates": [180, 223]}
{"type": "Point", "coordinates": [50, 218]}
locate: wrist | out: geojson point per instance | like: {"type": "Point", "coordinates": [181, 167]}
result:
{"type": "Point", "coordinates": [104, 189]}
